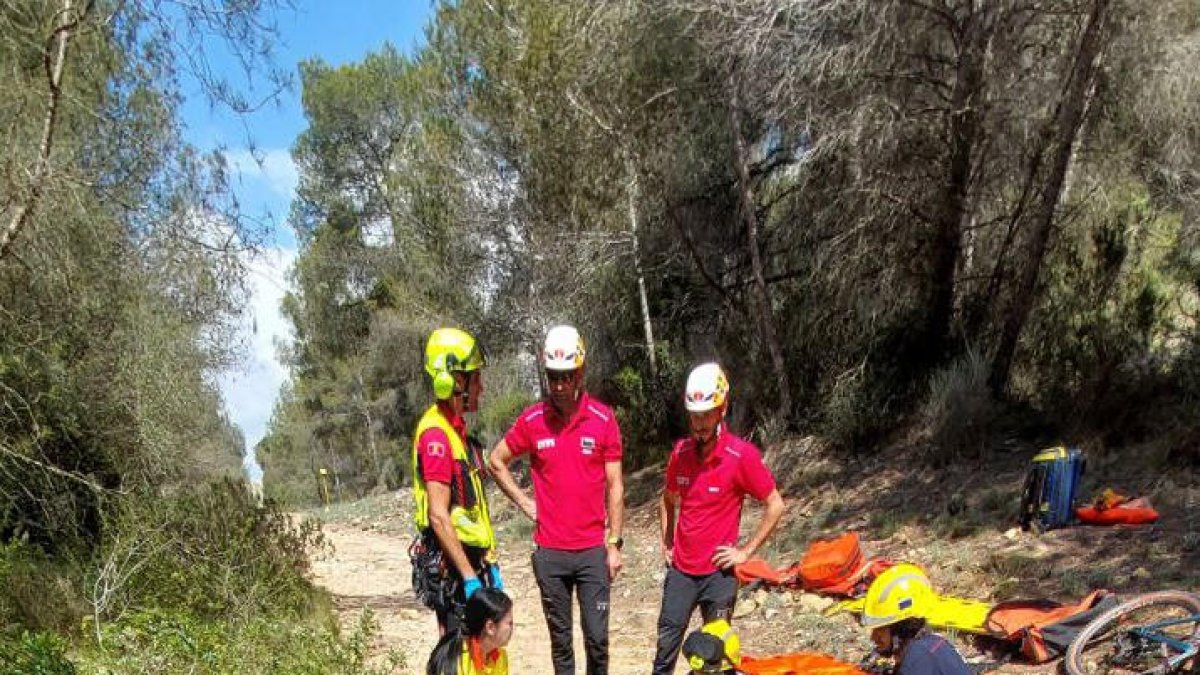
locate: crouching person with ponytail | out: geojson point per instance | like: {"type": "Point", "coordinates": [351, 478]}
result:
{"type": "Point", "coordinates": [477, 646]}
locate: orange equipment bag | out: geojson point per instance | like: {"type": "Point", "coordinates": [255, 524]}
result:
{"type": "Point", "coordinates": [757, 569]}
{"type": "Point", "coordinates": [1042, 628]}
{"type": "Point", "coordinates": [1111, 508]}
{"type": "Point", "coordinates": [795, 664]}
{"type": "Point", "coordinates": [831, 563]}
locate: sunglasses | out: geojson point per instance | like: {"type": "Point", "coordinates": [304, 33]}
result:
{"type": "Point", "coordinates": [556, 376]}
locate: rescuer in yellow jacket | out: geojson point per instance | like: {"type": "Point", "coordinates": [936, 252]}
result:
{"type": "Point", "coordinates": [453, 555]}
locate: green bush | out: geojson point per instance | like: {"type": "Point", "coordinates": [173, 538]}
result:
{"type": "Point", "coordinates": [498, 410]}
{"type": "Point", "coordinates": [959, 411]}
{"type": "Point", "coordinates": [34, 654]}
{"type": "Point", "coordinates": [209, 552]}
{"type": "Point", "coordinates": [37, 591]}
{"type": "Point", "coordinates": [649, 409]}
{"type": "Point", "coordinates": [157, 641]}
{"type": "Point", "coordinates": [855, 410]}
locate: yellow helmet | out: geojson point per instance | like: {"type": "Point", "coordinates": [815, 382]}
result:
{"type": "Point", "coordinates": [715, 648]}
{"type": "Point", "coordinates": [900, 592]}
{"type": "Point", "coordinates": [451, 350]}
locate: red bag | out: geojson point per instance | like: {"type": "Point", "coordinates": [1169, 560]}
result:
{"type": "Point", "coordinates": [1114, 509]}
{"type": "Point", "coordinates": [832, 562]}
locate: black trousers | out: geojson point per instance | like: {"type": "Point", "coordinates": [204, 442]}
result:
{"type": "Point", "coordinates": [714, 593]}
{"type": "Point", "coordinates": [585, 573]}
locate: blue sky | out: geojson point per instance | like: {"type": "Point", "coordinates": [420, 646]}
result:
{"type": "Point", "coordinates": [265, 180]}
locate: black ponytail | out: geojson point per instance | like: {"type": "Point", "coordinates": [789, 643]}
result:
{"type": "Point", "coordinates": [487, 604]}
{"type": "Point", "coordinates": [445, 656]}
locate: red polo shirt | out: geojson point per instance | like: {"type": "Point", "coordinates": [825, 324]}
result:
{"type": "Point", "coordinates": [567, 459]}
{"type": "Point", "coordinates": [433, 448]}
{"type": "Point", "coordinates": [711, 493]}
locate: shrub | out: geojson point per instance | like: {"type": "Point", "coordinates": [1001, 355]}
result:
{"type": "Point", "coordinates": [959, 411]}
{"type": "Point", "coordinates": [37, 591]}
{"type": "Point", "coordinates": [159, 641]}
{"type": "Point", "coordinates": [855, 411]}
{"type": "Point", "coordinates": [208, 551]}
{"type": "Point", "coordinates": [34, 653]}
{"type": "Point", "coordinates": [499, 410]}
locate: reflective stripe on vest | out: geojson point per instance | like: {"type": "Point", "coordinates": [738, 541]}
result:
{"type": "Point", "coordinates": [468, 507]}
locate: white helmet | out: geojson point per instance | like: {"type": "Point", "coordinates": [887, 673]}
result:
{"type": "Point", "coordinates": [707, 388]}
{"type": "Point", "coordinates": [563, 349]}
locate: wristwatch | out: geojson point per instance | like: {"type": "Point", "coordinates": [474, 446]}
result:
{"type": "Point", "coordinates": [616, 541]}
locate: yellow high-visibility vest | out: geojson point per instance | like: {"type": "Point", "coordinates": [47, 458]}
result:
{"type": "Point", "coordinates": [468, 503]}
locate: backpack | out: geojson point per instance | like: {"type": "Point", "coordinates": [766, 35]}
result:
{"type": "Point", "coordinates": [832, 563]}
{"type": "Point", "coordinates": [1048, 499]}
{"type": "Point", "coordinates": [1043, 629]}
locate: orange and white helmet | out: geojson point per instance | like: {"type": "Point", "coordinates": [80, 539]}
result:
{"type": "Point", "coordinates": [707, 388]}
{"type": "Point", "coordinates": [563, 349]}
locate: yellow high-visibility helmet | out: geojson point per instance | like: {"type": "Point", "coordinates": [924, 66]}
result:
{"type": "Point", "coordinates": [715, 648]}
{"type": "Point", "coordinates": [901, 592]}
{"type": "Point", "coordinates": [451, 350]}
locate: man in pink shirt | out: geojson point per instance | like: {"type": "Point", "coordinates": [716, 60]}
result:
{"type": "Point", "coordinates": [574, 448]}
{"type": "Point", "coordinates": [709, 474]}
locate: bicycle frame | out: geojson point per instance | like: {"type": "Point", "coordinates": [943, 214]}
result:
{"type": "Point", "coordinates": [1151, 632]}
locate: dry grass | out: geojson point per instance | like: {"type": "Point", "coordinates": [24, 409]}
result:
{"type": "Point", "coordinates": [958, 521]}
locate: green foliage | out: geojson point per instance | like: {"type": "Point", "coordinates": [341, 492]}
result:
{"type": "Point", "coordinates": [34, 654]}
{"type": "Point", "coordinates": [157, 641]}
{"type": "Point", "coordinates": [853, 413]}
{"type": "Point", "coordinates": [959, 412]}
{"type": "Point", "coordinates": [1107, 325]}
{"type": "Point", "coordinates": [500, 410]}
{"type": "Point", "coordinates": [207, 551]}
{"type": "Point", "coordinates": [37, 590]}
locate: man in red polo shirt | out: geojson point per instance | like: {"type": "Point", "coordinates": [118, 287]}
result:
{"type": "Point", "coordinates": [708, 475]}
{"type": "Point", "coordinates": [574, 448]}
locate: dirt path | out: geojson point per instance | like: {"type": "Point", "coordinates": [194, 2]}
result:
{"type": "Point", "coordinates": [369, 568]}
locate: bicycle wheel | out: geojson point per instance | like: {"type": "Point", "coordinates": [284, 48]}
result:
{"type": "Point", "coordinates": [1106, 646]}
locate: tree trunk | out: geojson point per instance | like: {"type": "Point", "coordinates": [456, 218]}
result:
{"type": "Point", "coordinates": [54, 58]}
{"type": "Point", "coordinates": [964, 130]}
{"type": "Point", "coordinates": [1068, 119]}
{"type": "Point", "coordinates": [762, 299]}
{"type": "Point", "coordinates": [634, 196]}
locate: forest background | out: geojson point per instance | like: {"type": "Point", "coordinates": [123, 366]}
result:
{"type": "Point", "coordinates": [924, 222]}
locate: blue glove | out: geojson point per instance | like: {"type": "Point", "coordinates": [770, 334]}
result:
{"type": "Point", "coordinates": [497, 580]}
{"type": "Point", "coordinates": [470, 586]}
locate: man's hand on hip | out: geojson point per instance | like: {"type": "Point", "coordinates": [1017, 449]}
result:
{"type": "Point", "coordinates": [728, 556]}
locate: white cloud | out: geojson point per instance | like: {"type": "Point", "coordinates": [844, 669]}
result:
{"type": "Point", "coordinates": [272, 167]}
{"type": "Point", "coordinates": [250, 390]}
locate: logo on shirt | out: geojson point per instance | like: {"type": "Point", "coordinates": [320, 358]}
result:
{"type": "Point", "coordinates": [713, 489]}
{"type": "Point", "coordinates": [435, 449]}
{"type": "Point", "coordinates": [683, 481]}
{"type": "Point", "coordinates": [545, 443]}
{"type": "Point", "coordinates": [588, 445]}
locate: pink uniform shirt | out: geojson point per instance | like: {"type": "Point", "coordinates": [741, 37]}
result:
{"type": "Point", "coordinates": [711, 493]}
{"type": "Point", "coordinates": [433, 449]}
{"type": "Point", "coordinates": [567, 460]}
